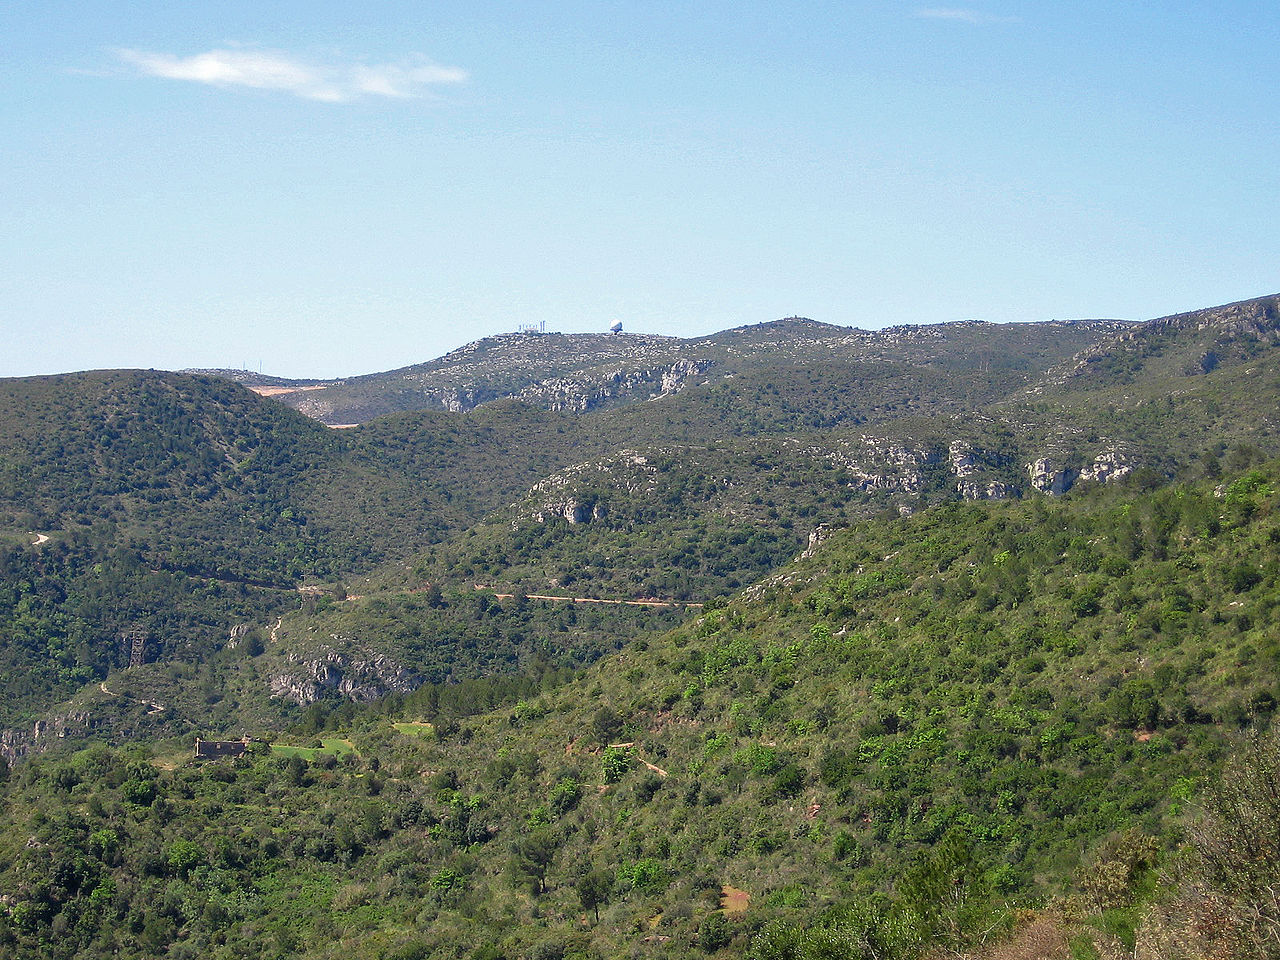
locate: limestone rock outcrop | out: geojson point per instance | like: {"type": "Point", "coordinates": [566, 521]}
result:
{"type": "Point", "coordinates": [358, 676]}
{"type": "Point", "coordinates": [1050, 478]}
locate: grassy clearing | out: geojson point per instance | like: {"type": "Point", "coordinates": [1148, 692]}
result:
{"type": "Point", "coordinates": [416, 728]}
{"type": "Point", "coordinates": [328, 745]}
{"type": "Point", "coordinates": [171, 759]}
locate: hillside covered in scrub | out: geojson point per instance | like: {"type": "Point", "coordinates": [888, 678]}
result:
{"type": "Point", "coordinates": [987, 700]}
{"type": "Point", "coordinates": [924, 641]}
{"type": "Point", "coordinates": [579, 373]}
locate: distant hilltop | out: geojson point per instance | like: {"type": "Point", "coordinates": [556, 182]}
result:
{"type": "Point", "coordinates": [585, 372]}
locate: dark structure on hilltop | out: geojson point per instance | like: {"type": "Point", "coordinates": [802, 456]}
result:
{"type": "Point", "coordinates": [221, 749]}
{"type": "Point", "coordinates": [134, 644]}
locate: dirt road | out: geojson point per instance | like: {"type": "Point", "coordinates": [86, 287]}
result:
{"type": "Point", "coordinates": [627, 603]}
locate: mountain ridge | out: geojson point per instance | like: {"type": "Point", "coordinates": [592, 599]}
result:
{"type": "Point", "coordinates": [1257, 314]}
{"type": "Point", "coordinates": [943, 623]}
{"type": "Point", "coordinates": [587, 372]}
{"type": "Point", "coordinates": [691, 498]}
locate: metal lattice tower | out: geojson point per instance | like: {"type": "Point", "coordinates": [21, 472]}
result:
{"type": "Point", "coordinates": [136, 643]}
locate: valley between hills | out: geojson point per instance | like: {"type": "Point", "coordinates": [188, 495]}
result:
{"type": "Point", "coordinates": [792, 641]}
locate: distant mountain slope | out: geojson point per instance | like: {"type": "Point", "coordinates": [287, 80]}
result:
{"type": "Point", "coordinates": [1195, 387]}
{"type": "Point", "coordinates": [184, 505]}
{"type": "Point", "coordinates": [190, 506]}
{"type": "Point", "coordinates": [252, 379]}
{"type": "Point", "coordinates": [155, 500]}
{"type": "Point", "coordinates": [144, 449]}
{"type": "Point", "coordinates": [200, 474]}
{"type": "Point", "coordinates": [558, 371]}
{"type": "Point", "coordinates": [1167, 351]}
{"type": "Point", "coordinates": [585, 372]}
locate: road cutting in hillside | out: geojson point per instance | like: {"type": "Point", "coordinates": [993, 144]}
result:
{"type": "Point", "coordinates": [645, 602]}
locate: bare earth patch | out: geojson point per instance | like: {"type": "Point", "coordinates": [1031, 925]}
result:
{"type": "Point", "coordinates": [734, 901]}
{"type": "Point", "coordinates": [281, 391]}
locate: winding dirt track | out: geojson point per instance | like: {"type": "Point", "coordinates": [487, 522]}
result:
{"type": "Point", "coordinates": [627, 603]}
{"type": "Point", "coordinates": [632, 747]}
{"type": "Point", "coordinates": [152, 707]}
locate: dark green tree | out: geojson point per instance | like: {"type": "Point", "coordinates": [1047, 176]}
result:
{"type": "Point", "coordinates": [593, 889]}
{"type": "Point", "coordinates": [531, 857]}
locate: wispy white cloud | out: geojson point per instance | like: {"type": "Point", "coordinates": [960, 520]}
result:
{"type": "Point", "coordinates": [960, 15]}
{"type": "Point", "coordinates": [275, 70]}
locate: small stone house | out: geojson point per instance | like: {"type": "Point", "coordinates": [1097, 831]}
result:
{"type": "Point", "coordinates": [221, 749]}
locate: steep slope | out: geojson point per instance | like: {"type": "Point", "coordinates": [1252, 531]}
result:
{"type": "Point", "coordinates": [929, 720]}
{"type": "Point", "coordinates": [186, 507]}
{"type": "Point", "coordinates": [1167, 351]}
{"type": "Point", "coordinates": [201, 475]}
{"type": "Point", "coordinates": [155, 500]}
{"type": "Point", "coordinates": [1177, 395]}
{"type": "Point", "coordinates": [182, 506]}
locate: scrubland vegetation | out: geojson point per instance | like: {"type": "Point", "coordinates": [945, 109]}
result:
{"type": "Point", "coordinates": [878, 719]}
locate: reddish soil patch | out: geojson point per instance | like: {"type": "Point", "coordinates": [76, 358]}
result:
{"type": "Point", "coordinates": [281, 391]}
{"type": "Point", "coordinates": [734, 901]}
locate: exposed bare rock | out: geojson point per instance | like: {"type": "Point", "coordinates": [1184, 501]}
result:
{"type": "Point", "coordinates": [817, 537]}
{"type": "Point", "coordinates": [44, 733]}
{"type": "Point", "coordinates": [356, 675]}
{"type": "Point", "coordinates": [560, 495]}
{"type": "Point", "coordinates": [575, 511]}
{"type": "Point", "coordinates": [1050, 478]}
{"type": "Point", "coordinates": [569, 373]}
{"type": "Point", "coordinates": [968, 466]}
{"type": "Point", "coordinates": [584, 372]}
{"type": "Point", "coordinates": [986, 490]}
{"type": "Point", "coordinates": [963, 461]}
{"type": "Point", "coordinates": [879, 464]}
{"type": "Point", "coordinates": [592, 389]}
{"type": "Point", "coordinates": [675, 379]}
{"type": "Point", "coordinates": [1107, 466]}
{"type": "Point", "coordinates": [1258, 317]}
{"type": "Point", "coordinates": [903, 483]}
{"type": "Point", "coordinates": [1257, 320]}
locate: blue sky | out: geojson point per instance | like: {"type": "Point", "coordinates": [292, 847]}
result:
{"type": "Point", "coordinates": [324, 189]}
